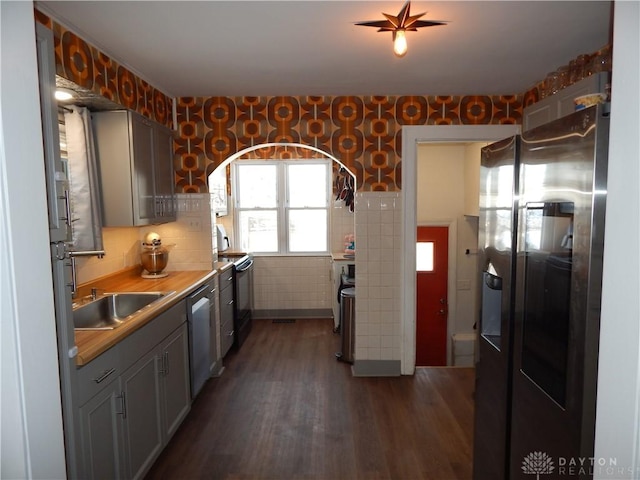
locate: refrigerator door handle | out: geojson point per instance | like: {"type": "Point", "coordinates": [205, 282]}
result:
{"type": "Point", "coordinates": [492, 281]}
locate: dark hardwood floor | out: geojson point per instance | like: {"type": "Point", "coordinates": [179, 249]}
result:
{"type": "Point", "coordinates": [284, 408]}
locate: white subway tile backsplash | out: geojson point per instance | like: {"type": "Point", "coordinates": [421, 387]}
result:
{"type": "Point", "coordinates": [188, 240]}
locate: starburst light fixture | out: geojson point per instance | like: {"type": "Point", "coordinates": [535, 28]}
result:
{"type": "Point", "coordinates": [399, 24]}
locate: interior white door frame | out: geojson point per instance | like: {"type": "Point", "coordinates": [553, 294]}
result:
{"type": "Point", "coordinates": [411, 137]}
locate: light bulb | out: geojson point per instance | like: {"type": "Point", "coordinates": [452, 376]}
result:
{"type": "Point", "coordinates": [62, 94]}
{"type": "Point", "coordinates": [399, 43]}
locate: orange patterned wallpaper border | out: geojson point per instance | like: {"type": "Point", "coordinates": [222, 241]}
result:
{"type": "Point", "coordinates": [86, 66]}
{"type": "Point", "coordinates": [364, 132]}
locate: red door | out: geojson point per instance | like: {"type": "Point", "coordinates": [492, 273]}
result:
{"type": "Point", "coordinates": [432, 255]}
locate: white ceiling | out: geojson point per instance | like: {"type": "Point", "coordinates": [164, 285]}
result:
{"type": "Point", "coordinates": [255, 48]}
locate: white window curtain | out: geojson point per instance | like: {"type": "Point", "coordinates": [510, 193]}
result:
{"type": "Point", "coordinates": [84, 194]}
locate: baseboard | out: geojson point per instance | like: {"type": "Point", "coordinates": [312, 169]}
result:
{"type": "Point", "coordinates": [376, 368]}
{"type": "Point", "coordinates": [300, 313]}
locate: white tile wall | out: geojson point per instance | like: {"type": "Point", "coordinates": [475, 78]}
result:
{"type": "Point", "coordinates": [378, 246]}
{"type": "Point", "coordinates": [189, 237]}
{"type": "Point", "coordinates": [342, 223]}
{"type": "Point", "coordinates": [292, 283]}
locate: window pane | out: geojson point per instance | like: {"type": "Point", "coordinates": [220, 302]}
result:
{"type": "Point", "coordinates": [307, 230]}
{"type": "Point", "coordinates": [257, 186]}
{"type": "Point", "coordinates": [307, 185]}
{"type": "Point", "coordinates": [424, 257]}
{"type": "Point", "coordinates": [258, 230]}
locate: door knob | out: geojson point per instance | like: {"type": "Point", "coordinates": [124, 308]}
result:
{"type": "Point", "coordinates": [443, 301]}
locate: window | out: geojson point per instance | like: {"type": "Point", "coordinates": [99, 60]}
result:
{"type": "Point", "coordinates": [424, 257]}
{"type": "Point", "coordinates": [282, 206]}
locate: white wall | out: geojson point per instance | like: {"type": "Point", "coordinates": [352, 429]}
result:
{"type": "Point", "coordinates": [440, 191]}
{"type": "Point", "coordinates": [617, 417]}
{"type": "Point", "coordinates": [31, 442]}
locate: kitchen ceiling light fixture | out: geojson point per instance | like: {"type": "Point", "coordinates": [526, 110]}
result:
{"type": "Point", "coordinates": [399, 24]}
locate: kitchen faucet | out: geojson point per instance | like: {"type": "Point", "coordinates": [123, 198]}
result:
{"type": "Point", "coordinates": [94, 292]}
{"type": "Point", "coordinates": [72, 256]}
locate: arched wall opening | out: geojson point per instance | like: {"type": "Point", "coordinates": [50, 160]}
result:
{"type": "Point", "coordinates": [289, 285]}
{"type": "Point", "coordinates": [274, 145]}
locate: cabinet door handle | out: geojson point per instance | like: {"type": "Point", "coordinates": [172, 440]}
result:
{"type": "Point", "coordinates": [74, 278]}
{"type": "Point", "coordinates": [67, 207]}
{"type": "Point", "coordinates": [123, 412]}
{"type": "Point", "coordinates": [161, 368]}
{"type": "Point", "coordinates": [230, 302]}
{"type": "Point", "coordinates": [166, 363]}
{"type": "Point", "coordinates": [230, 333]}
{"type": "Point", "coordinates": [104, 375]}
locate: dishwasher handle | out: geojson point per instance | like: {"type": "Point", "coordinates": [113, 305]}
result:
{"type": "Point", "coordinates": [202, 292]}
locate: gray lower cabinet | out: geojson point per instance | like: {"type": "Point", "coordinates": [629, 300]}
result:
{"type": "Point", "coordinates": [175, 387]}
{"type": "Point", "coordinates": [132, 404]}
{"type": "Point", "coordinates": [215, 358]}
{"type": "Point", "coordinates": [226, 312]}
{"type": "Point", "coordinates": [142, 420]}
{"type": "Point", "coordinates": [101, 434]}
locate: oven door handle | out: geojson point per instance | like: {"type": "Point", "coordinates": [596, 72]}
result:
{"type": "Point", "coordinates": [245, 266]}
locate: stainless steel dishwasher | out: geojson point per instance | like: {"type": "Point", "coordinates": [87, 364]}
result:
{"type": "Point", "coordinates": [200, 308]}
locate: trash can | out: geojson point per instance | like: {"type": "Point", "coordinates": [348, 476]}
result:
{"type": "Point", "coordinates": [347, 324]}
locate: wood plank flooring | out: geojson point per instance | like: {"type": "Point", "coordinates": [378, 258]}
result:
{"type": "Point", "coordinates": [284, 408]}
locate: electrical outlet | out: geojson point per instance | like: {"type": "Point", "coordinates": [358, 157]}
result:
{"type": "Point", "coordinates": [194, 225]}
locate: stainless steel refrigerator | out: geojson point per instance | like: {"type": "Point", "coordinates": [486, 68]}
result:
{"type": "Point", "coordinates": [541, 238]}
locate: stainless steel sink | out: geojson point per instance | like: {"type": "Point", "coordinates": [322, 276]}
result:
{"type": "Point", "coordinates": [110, 310]}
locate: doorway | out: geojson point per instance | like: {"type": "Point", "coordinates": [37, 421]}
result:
{"type": "Point", "coordinates": [412, 136]}
{"type": "Point", "coordinates": [432, 273]}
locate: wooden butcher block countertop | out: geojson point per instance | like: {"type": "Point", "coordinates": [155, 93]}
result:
{"type": "Point", "coordinates": [92, 343]}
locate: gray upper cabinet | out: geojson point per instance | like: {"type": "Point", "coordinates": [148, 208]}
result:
{"type": "Point", "coordinates": [135, 157]}
{"type": "Point", "coordinates": [165, 197]}
{"type": "Point", "coordinates": [561, 104]}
